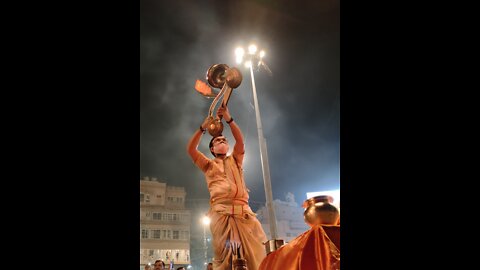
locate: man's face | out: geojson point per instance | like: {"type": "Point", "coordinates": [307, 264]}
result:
{"type": "Point", "coordinates": [220, 145]}
{"type": "Point", "coordinates": [158, 266]}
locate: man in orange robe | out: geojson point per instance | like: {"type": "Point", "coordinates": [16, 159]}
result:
{"type": "Point", "coordinates": [234, 225]}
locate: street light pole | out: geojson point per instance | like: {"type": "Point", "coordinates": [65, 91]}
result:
{"type": "Point", "coordinates": [205, 221]}
{"type": "Point", "coordinates": [205, 243]}
{"type": "Point", "coordinates": [273, 243]}
{"type": "Point", "coordinates": [264, 159]}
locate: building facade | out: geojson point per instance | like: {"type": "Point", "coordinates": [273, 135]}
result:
{"type": "Point", "coordinates": [289, 215]}
{"type": "Point", "coordinates": [200, 236]}
{"type": "Point", "coordinates": [164, 224]}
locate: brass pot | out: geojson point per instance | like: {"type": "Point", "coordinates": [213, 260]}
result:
{"type": "Point", "coordinates": [233, 77]}
{"type": "Point", "coordinates": [219, 74]}
{"type": "Point", "coordinates": [215, 127]}
{"type": "Point", "coordinates": [319, 210]}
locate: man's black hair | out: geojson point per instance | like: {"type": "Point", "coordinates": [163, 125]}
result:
{"type": "Point", "coordinates": [163, 263]}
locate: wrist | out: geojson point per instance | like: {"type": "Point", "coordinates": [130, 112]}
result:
{"type": "Point", "coordinates": [229, 121]}
{"type": "Point", "coordinates": [202, 129]}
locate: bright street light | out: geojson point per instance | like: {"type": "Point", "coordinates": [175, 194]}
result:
{"type": "Point", "coordinates": [239, 52]}
{"type": "Point", "coordinates": [252, 49]}
{"type": "Point", "coordinates": [206, 220]}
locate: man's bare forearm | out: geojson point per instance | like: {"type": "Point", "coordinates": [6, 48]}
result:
{"type": "Point", "coordinates": [193, 143]}
{"type": "Point", "coordinates": [237, 134]}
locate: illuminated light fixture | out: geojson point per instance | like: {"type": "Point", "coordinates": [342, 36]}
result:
{"type": "Point", "coordinates": [252, 49]}
{"type": "Point", "coordinates": [238, 60]}
{"type": "Point", "coordinates": [205, 220]}
{"type": "Point", "coordinates": [239, 52]}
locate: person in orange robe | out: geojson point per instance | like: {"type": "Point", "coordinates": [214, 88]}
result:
{"type": "Point", "coordinates": [311, 250]}
{"type": "Point", "coordinates": [236, 231]}
{"type": "Point", "coordinates": [316, 249]}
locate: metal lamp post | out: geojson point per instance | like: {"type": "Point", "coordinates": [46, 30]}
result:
{"type": "Point", "coordinates": [252, 56]}
{"type": "Point", "coordinates": [206, 222]}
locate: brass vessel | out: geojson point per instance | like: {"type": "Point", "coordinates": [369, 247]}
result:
{"type": "Point", "coordinates": [319, 210]}
{"type": "Point", "coordinates": [226, 78]}
{"type": "Point", "coordinates": [215, 126]}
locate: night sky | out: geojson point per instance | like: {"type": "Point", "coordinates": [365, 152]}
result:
{"type": "Point", "coordinates": [299, 102]}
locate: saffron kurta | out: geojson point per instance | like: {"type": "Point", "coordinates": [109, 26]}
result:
{"type": "Point", "coordinates": [232, 220]}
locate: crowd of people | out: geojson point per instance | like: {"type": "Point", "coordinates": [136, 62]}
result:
{"type": "Point", "coordinates": [160, 265]}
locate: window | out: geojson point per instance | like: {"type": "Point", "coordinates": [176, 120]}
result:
{"type": "Point", "coordinates": [147, 198]}
{"type": "Point", "coordinates": [184, 235]}
{"type": "Point", "coordinates": [142, 197]}
{"type": "Point", "coordinates": [176, 235]}
{"type": "Point", "coordinates": [144, 233]}
{"type": "Point", "coordinates": [156, 234]}
{"type": "Point", "coordinates": [157, 216]}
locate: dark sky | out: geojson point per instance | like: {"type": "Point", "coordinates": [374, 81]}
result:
{"type": "Point", "coordinates": [299, 103]}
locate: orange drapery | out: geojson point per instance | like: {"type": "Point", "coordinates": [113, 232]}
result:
{"type": "Point", "coordinates": [316, 249]}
